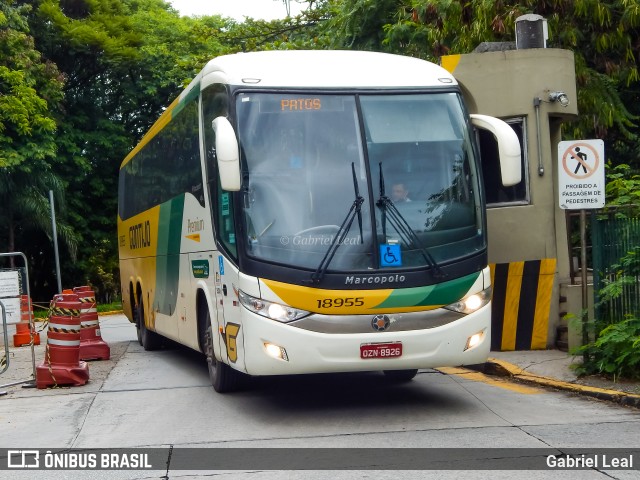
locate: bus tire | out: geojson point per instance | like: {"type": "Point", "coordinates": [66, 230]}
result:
{"type": "Point", "coordinates": [401, 375]}
{"type": "Point", "coordinates": [136, 318]}
{"type": "Point", "coordinates": [223, 378]}
{"type": "Point", "coordinates": [148, 339]}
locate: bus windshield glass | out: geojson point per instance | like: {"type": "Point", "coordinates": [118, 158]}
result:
{"type": "Point", "coordinates": [308, 157]}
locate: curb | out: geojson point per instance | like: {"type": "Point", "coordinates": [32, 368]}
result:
{"type": "Point", "coordinates": [112, 312]}
{"type": "Point", "coordinates": [501, 368]}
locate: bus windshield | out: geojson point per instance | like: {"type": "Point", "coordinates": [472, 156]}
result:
{"type": "Point", "coordinates": [308, 158]}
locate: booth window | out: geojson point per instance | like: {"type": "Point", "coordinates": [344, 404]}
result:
{"type": "Point", "coordinates": [498, 195]}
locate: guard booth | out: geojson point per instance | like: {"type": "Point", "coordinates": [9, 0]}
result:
{"type": "Point", "coordinates": [533, 88]}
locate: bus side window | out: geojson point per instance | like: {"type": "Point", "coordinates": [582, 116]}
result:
{"type": "Point", "coordinates": [215, 103]}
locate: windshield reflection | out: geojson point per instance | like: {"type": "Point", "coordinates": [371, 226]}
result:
{"type": "Point", "coordinates": [300, 182]}
{"type": "Point", "coordinates": [299, 150]}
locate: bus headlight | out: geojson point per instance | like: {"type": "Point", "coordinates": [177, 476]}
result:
{"type": "Point", "coordinates": [272, 310]}
{"type": "Point", "coordinates": [471, 303]}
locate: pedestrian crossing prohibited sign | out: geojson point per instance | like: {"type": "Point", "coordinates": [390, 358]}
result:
{"type": "Point", "coordinates": [581, 174]}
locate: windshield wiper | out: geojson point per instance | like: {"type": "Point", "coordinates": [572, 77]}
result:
{"type": "Point", "coordinates": [404, 229]}
{"type": "Point", "coordinates": [355, 210]}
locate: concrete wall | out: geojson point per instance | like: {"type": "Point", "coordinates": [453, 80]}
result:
{"type": "Point", "coordinates": [572, 296]}
{"type": "Point", "coordinates": [508, 84]}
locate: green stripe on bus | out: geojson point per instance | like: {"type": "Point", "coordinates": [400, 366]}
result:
{"type": "Point", "coordinates": [432, 295]}
{"type": "Point", "coordinates": [168, 255]}
{"type": "Point", "coordinates": [192, 95]}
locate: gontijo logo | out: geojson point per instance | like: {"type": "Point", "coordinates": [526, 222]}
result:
{"type": "Point", "coordinates": [140, 235]}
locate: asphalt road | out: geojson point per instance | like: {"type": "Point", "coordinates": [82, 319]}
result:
{"type": "Point", "coordinates": [163, 399]}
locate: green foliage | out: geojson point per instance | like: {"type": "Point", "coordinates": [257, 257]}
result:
{"type": "Point", "coordinates": [30, 90]}
{"type": "Point", "coordinates": [25, 199]}
{"type": "Point", "coordinates": [42, 311]}
{"type": "Point", "coordinates": [112, 306]}
{"type": "Point", "coordinates": [365, 24]}
{"type": "Point", "coordinates": [124, 61]}
{"type": "Point", "coordinates": [82, 80]}
{"type": "Point", "coordinates": [615, 353]}
{"type": "Point", "coordinates": [623, 187]}
{"type": "Point", "coordinates": [603, 110]}
{"type": "Point", "coordinates": [101, 270]}
{"type": "Point", "coordinates": [308, 31]}
{"type": "Point", "coordinates": [28, 85]}
{"type": "Point", "coordinates": [603, 36]}
{"type": "Point", "coordinates": [616, 348]}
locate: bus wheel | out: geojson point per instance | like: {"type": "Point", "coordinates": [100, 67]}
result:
{"type": "Point", "coordinates": [401, 375]}
{"type": "Point", "coordinates": [138, 322]}
{"type": "Point", "coordinates": [148, 339]}
{"type": "Point", "coordinates": [223, 377]}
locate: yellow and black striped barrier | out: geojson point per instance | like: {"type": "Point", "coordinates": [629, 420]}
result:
{"type": "Point", "coordinates": [520, 304]}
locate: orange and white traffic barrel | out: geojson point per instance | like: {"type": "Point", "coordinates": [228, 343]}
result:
{"type": "Point", "coordinates": [62, 364]}
{"type": "Point", "coordinates": [25, 330]}
{"type": "Point", "coordinates": [92, 346]}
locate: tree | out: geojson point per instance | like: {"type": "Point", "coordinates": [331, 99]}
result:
{"type": "Point", "coordinates": [123, 61]}
{"type": "Point", "coordinates": [29, 88]}
{"type": "Point", "coordinates": [306, 31]}
{"type": "Point", "coordinates": [603, 35]}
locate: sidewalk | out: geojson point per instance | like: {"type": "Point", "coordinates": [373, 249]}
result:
{"type": "Point", "coordinates": [117, 332]}
{"type": "Point", "coordinates": [548, 368]}
{"type": "Point", "coordinates": [552, 368]}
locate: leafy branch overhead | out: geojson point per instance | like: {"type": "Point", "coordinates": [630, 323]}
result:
{"type": "Point", "coordinates": [82, 80]}
{"type": "Point", "coordinates": [603, 35]}
{"type": "Point", "coordinates": [30, 90]}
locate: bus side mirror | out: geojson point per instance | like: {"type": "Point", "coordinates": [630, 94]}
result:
{"type": "Point", "coordinates": [227, 153]}
{"type": "Point", "coordinates": [508, 147]}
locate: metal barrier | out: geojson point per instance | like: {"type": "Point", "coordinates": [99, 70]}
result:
{"type": "Point", "coordinates": [615, 234]}
{"type": "Point", "coordinates": [32, 381]}
{"type": "Point", "coordinates": [4, 361]}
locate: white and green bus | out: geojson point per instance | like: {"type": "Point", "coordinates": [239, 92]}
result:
{"type": "Point", "coordinates": [312, 211]}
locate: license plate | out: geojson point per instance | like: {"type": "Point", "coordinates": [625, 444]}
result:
{"type": "Point", "coordinates": [381, 350]}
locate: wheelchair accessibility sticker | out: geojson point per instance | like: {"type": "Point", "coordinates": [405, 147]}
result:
{"type": "Point", "coordinates": [390, 255]}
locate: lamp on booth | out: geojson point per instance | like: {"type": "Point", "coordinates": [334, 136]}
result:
{"type": "Point", "coordinates": [559, 97]}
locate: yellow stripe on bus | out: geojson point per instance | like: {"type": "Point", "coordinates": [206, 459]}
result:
{"type": "Point", "coordinates": [330, 301]}
{"type": "Point", "coordinates": [138, 264]}
{"type": "Point", "coordinates": [162, 122]}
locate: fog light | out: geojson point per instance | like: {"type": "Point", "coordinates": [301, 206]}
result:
{"type": "Point", "coordinates": [473, 340]}
{"type": "Point", "coordinates": [276, 351]}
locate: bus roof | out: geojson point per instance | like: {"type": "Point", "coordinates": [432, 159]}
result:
{"type": "Point", "coordinates": [307, 69]}
{"type": "Point", "coordinates": [326, 69]}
